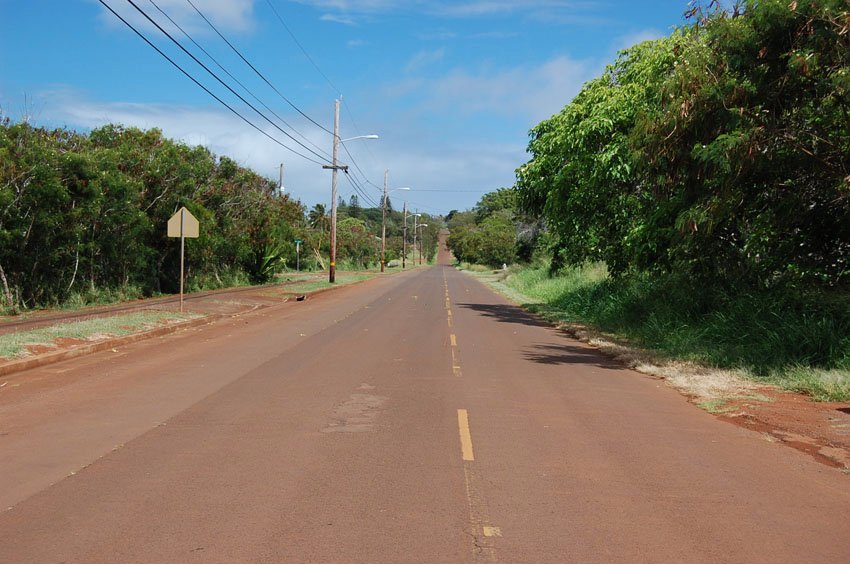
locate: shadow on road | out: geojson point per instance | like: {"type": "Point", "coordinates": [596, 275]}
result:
{"type": "Point", "coordinates": [506, 314]}
{"type": "Point", "coordinates": [570, 354]}
{"type": "Point", "coordinates": [544, 353]}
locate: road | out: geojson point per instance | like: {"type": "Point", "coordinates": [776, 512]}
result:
{"type": "Point", "coordinates": [412, 418]}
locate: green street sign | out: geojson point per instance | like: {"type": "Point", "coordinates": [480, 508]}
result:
{"type": "Point", "coordinates": [298, 241]}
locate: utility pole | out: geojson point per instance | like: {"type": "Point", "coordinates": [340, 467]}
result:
{"type": "Point", "coordinates": [415, 215]}
{"type": "Point", "coordinates": [334, 167]}
{"type": "Point", "coordinates": [280, 186]}
{"type": "Point", "coordinates": [384, 222]}
{"type": "Point", "coordinates": [404, 239]}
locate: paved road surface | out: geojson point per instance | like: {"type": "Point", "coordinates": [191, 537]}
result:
{"type": "Point", "coordinates": [415, 418]}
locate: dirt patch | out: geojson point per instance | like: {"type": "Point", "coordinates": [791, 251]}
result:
{"type": "Point", "coordinates": [820, 429]}
{"type": "Point", "coordinates": [62, 343]}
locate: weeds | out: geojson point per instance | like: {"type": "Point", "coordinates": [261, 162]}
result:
{"type": "Point", "coordinates": [800, 341]}
{"type": "Point", "coordinates": [14, 345]}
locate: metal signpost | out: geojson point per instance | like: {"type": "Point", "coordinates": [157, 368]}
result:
{"type": "Point", "coordinates": [298, 255]}
{"type": "Point", "coordinates": [183, 224]}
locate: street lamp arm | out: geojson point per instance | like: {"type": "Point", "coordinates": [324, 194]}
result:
{"type": "Point", "coordinates": [359, 137]}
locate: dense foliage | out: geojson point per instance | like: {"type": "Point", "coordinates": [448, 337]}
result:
{"type": "Point", "coordinates": [486, 235]}
{"type": "Point", "coordinates": [721, 152]}
{"type": "Point", "coordinates": [85, 214]}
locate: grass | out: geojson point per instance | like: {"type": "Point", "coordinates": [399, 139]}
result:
{"type": "Point", "coordinates": [800, 341]}
{"type": "Point", "coordinates": [13, 345]}
{"type": "Point", "coordinates": [320, 283]}
{"type": "Point", "coordinates": [715, 406]}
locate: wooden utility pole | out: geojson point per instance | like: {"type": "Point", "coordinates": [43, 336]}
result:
{"type": "Point", "coordinates": [404, 239]}
{"type": "Point", "coordinates": [415, 215]}
{"type": "Point", "coordinates": [384, 222]}
{"type": "Point", "coordinates": [334, 167]}
{"type": "Point", "coordinates": [280, 185]}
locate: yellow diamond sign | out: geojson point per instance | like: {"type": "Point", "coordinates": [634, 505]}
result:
{"type": "Point", "coordinates": [183, 224]}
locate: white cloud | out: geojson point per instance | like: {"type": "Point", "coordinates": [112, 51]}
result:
{"type": "Point", "coordinates": [424, 58]}
{"type": "Point", "coordinates": [215, 128]}
{"type": "Point", "coordinates": [636, 37]}
{"type": "Point", "coordinates": [561, 11]}
{"type": "Point", "coordinates": [226, 15]}
{"type": "Point", "coordinates": [414, 156]}
{"type": "Point", "coordinates": [531, 92]}
{"type": "Point", "coordinates": [432, 134]}
{"type": "Point", "coordinates": [340, 19]}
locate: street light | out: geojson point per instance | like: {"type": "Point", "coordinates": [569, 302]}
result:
{"type": "Point", "coordinates": [384, 219]}
{"type": "Point", "coordinates": [334, 168]}
{"type": "Point", "coordinates": [359, 137]}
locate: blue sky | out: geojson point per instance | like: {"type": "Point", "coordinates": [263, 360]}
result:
{"type": "Point", "coordinates": [452, 88]}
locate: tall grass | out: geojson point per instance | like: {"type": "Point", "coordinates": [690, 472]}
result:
{"type": "Point", "coordinates": [800, 340]}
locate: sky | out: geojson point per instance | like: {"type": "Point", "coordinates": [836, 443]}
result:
{"type": "Point", "coordinates": [451, 88]}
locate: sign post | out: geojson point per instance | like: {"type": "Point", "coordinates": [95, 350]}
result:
{"type": "Point", "coordinates": [183, 224]}
{"type": "Point", "coordinates": [298, 255]}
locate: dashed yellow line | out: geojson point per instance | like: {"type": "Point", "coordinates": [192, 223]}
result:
{"type": "Point", "coordinates": [491, 531]}
{"type": "Point", "coordinates": [465, 435]}
{"type": "Point", "coordinates": [453, 339]}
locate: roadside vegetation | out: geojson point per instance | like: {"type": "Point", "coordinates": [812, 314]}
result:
{"type": "Point", "coordinates": [83, 216]}
{"type": "Point", "coordinates": [694, 199]}
{"type": "Point", "coordinates": [14, 345]}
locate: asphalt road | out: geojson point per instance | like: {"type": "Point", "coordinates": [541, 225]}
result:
{"type": "Point", "coordinates": [414, 418]}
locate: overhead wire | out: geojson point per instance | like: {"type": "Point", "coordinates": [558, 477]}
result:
{"type": "Point", "coordinates": [353, 161]}
{"type": "Point", "coordinates": [204, 88]}
{"type": "Point", "coordinates": [333, 87]}
{"type": "Point", "coordinates": [261, 75]}
{"type": "Point", "coordinates": [223, 83]}
{"type": "Point", "coordinates": [306, 54]}
{"type": "Point", "coordinates": [245, 88]}
{"type": "Point", "coordinates": [359, 189]}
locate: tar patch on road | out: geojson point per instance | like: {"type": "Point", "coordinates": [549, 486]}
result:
{"type": "Point", "coordinates": [357, 414]}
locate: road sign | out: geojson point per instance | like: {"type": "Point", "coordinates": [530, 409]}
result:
{"type": "Point", "coordinates": [298, 241]}
{"type": "Point", "coordinates": [183, 224]}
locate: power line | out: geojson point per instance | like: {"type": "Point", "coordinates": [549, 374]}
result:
{"type": "Point", "coordinates": [361, 191]}
{"type": "Point", "coordinates": [332, 85]}
{"type": "Point", "coordinates": [354, 124]}
{"type": "Point", "coordinates": [245, 88]}
{"type": "Point", "coordinates": [357, 166]}
{"type": "Point", "coordinates": [207, 90]}
{"type": "Point", "coordinates": [306, 54]}
{"type": "Point", "coordinates": [206, 68]}
{"type": "Point", "coordinates": [235, 50]}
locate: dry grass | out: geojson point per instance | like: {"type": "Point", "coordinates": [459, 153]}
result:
{"type": "Point", "coordinates": [707, 386]}
{"type": "Point", "coordinates": [14, 345]}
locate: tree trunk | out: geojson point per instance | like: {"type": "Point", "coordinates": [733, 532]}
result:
{"type": "Point", "coordinates": [6, 292]}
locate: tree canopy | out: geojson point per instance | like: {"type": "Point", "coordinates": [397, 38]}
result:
{"type": "Point", "coordinates": [721, 151]}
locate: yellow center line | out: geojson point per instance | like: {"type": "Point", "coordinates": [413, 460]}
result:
{"type": "Point", "coordinates": [453, 339]}
{"type": "Point", "coordinates": [465, 435]}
